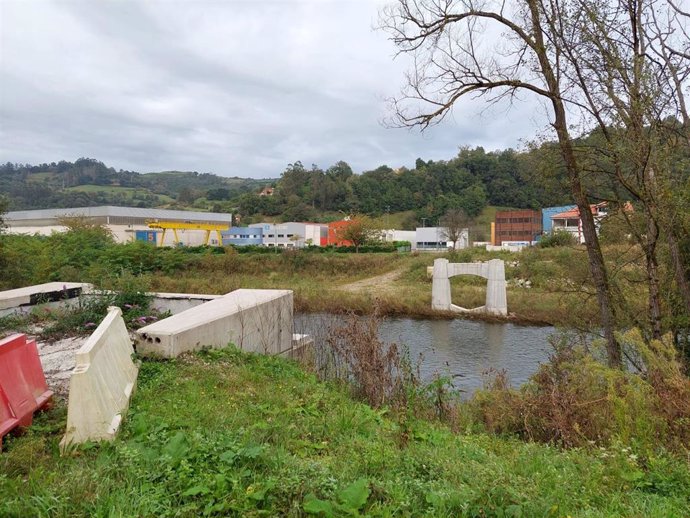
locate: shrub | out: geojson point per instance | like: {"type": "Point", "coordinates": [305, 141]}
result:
{"type": "Point", "coordinates": [574, 399]}
{"type": "Point", "coordinates": [377, 372]}
{"type": "Point", "coordinates": [557, 238]}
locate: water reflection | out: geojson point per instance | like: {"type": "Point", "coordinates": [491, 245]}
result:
{"type": "Point", "coordinates": [461, 349]}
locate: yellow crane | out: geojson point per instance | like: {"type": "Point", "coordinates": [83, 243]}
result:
{"type": "Point", "coordinates": [188, 225]}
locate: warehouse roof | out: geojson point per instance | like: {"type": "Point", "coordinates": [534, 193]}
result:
{"type": "Point", "coordinates": [126, 212]}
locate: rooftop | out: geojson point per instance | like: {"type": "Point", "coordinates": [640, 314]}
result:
{"type": "Point", "coordinates": [110, 210]}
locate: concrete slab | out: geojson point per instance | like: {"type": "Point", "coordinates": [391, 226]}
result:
{"type": "Point", "coordinates": [253, 320]}
{"type": "Point", "coordinates": [179, 302]}
{"type": "Point", "coordinates": [102, 383]}
{"type": "Point", "coordinates": [20, 299]}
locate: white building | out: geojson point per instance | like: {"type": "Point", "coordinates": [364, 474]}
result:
{"type": "Point", "coordinates": [125, 223]}
{"type": "Point", "coordinates": [570, 221]}
{"type": "Point", "coordinates": [392, 235]}
{"type": "Point", "coordinates": [436, 238]}
{"type": "Point", "coordinates": [292, 234]}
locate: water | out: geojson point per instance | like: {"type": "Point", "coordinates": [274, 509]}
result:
{"type": "Point", "coordinates": [461, 349]}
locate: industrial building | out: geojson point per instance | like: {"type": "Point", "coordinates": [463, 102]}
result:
{"type": "Point", "coordinates": [436, 238]}
{"type": "Point", "coordinates": [242, 236]}
{"type": "Point", "coordinates": [517, 226]}
{"type": "Point", "coordinates": [127, 223]}
{"type": "Point", "coordinates": [292, 234]}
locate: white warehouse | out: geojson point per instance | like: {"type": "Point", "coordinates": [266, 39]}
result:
{"type": "Point", "coordinates": [125, 223]}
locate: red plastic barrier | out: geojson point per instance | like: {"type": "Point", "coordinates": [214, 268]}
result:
{"type": "Point", "coordinates": [23, 387]}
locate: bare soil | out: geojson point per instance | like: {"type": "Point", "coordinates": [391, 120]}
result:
{"type": "Point", "coordinates": [385, 282]}
{"type": "Point", "coordinates": [58, 359]}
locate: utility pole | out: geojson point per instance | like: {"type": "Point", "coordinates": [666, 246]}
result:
{"type": "Point", "coordinates": [424, 222]}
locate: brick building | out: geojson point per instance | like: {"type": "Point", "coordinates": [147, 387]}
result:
{"type": "Point", "coordinates": [517, 225]}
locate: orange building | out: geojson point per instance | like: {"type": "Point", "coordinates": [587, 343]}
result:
{"type": "Point", "coordinates": [335, 231]}
{"type": "Point", "coordinates": [517, 225]}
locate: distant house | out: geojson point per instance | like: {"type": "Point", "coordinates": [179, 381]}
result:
{"type": "Point", "coordinates": [267, 191]}
{"type": "Point", "coordinates": [570, 221]}
{"type": "Point", "coordinates": [547, 212]}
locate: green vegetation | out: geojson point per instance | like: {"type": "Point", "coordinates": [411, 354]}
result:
{"type": "Point", "coordinates": [128, 195]}
{"type": "Point", "coordinates": [87, 182]}
{"type": "Point", "coordinates": [558, 238]}
{"type": "Point", "coordinates": [223, 433]}
{"type": "Point", "coordinates": [560, 285]}
{"type": "Point", "coordinates": [471, 181]}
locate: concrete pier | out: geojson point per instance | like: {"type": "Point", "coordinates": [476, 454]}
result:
{"type": "Point", "coordinates": [493, 271]}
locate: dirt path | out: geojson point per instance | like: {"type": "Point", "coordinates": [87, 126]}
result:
{"type": "Point", "coordinates": [383, 282]}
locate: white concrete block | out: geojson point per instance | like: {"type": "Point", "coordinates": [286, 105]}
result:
{"type": "Point", "coordinates": [253, 320]}
{"type": "Point", "coordinates": [102, 383]}
{"type": "Point", "coordinates": [179, 302]}
{"type": "Point", "coordinates": [40, 293]}
{"type": "Point", "coordinates": [493, 271]}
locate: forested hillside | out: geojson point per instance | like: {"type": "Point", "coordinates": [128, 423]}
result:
{"type": "Point", "coordinates": [88, 182]}
{"type": "Point", "coordinates": [470, 181]}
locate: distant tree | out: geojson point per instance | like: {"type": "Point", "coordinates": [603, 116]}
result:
{"type": "Point", "coordinates": [295, 238]}
{"type": "Point", "coordinates": [185, 196]}
{"type": "Point", "coordinates": [3, 209]}
{"type": "Point", "coordinates": [218, 194]}
{"type": "Point", "coordinates": [473, 199]}
{"type": "Point", "coordinates": [359, 231]}
{"type": "Point", "coordinates": [453, 223]}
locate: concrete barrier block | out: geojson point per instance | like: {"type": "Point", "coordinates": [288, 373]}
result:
{"type": "Point", "coordinates": [23, 388]}
{"type": "Point", "coordinates": [253, 320]}
{"type": "Point", "coordinates": [102, 383]}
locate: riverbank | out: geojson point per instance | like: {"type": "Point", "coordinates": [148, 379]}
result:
{"type": "Point", "coordinates": [226, 433]}
{"type": "Point", "coordinates": [545, 287]}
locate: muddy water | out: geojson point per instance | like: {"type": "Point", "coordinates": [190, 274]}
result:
{"type": "Point", "coordinates": [461, 349]}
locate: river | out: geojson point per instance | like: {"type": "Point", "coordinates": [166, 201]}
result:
{"type": "Point", "coordinates": [462, 349]}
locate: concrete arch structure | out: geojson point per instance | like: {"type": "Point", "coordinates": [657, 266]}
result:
{"type": "Point", "coordinates": [494, 273]}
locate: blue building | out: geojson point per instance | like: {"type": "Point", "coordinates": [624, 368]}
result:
{"type": "Point", "coordinates": [551, 211]}
{"type": "Point", "coordinates": [241, 236]}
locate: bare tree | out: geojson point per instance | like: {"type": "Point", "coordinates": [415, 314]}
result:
{"type": "Point", "coordinates": [454, 223]}
{"type": "Point", "coordinates": [628, 79]}
{"type": "Point", "coordinates": [448, 41]}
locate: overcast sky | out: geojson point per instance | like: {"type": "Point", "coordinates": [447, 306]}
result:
{"type": "Point", "coordinates": [237, 88]}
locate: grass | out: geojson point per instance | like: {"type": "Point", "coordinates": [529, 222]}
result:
{"type": "Point", "coordinates": [130, 192]}
{"type": "Point", "coordinates": [317, 280]}
{"type": "Point", "coordinates": [224, 433]}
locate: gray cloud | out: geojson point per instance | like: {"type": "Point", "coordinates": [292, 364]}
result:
{"type": "Point", "coordinates": [236, 88]}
